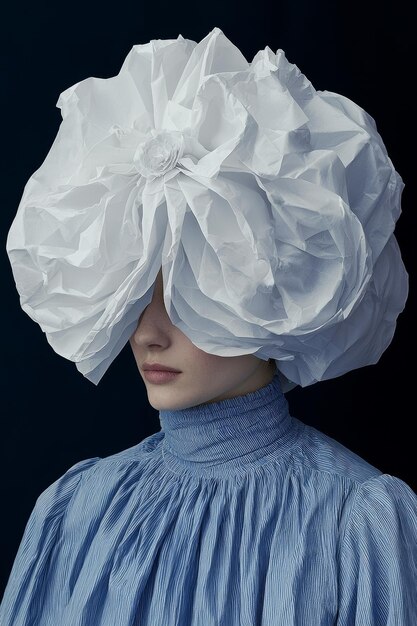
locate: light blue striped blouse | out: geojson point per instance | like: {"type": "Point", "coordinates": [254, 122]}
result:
{"type": "Point", "coordinates": [234, 514]}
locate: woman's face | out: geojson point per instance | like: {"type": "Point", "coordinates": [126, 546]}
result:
{"type": "Point", "coordinates": [204, 377]}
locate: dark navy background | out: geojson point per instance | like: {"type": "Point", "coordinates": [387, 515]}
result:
{"type": "Point", "coordinates": [52, 415]}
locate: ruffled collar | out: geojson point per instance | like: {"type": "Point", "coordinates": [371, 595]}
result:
{"type": "Point", "coordinates": [218, 438]}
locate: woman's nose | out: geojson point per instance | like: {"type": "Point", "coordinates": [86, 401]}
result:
{"type": "Point", "coordinates": [153, 320]}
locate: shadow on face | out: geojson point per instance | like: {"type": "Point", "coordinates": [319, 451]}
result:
{"type": "Point", "coordinates": [203, 377]}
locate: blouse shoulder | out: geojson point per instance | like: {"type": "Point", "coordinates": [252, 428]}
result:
{"type": "Point", "coordinates": [387, 493]}
{"type": "Point", "coordinates": [326, 454]}
{"type": "Point", "coordinates": [378, 556]}
{"type": "Point", "coordinates": [54, 499]}
{"type": "Point", "coordinates": [37, 544]}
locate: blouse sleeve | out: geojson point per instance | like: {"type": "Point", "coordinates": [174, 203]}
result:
{"type": "Point", "coordinates": [30, 568]}
{"type": "Point", "coordinates": [378, 558]}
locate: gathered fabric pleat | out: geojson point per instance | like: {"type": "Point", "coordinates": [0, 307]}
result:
{"type": "Point", "coordinates": [307, 533]}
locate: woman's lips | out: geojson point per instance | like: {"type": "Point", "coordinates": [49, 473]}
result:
{"type": "Point", "coordinates": [159, 376]}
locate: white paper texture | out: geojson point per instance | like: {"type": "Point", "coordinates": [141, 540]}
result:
{"type": "Point", "coordinates": [269, 205]}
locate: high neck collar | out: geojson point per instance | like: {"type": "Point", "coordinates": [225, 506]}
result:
{"type": "Point", "coordinates": [229, 436]}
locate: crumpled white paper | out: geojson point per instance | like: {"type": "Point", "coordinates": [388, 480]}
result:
{"type": "Point", "coordinates": [270, 206]}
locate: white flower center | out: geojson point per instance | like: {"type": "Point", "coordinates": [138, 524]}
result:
{"type": "Point", "coordinates": [160, 153]}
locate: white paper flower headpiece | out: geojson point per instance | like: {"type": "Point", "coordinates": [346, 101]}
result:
{"type": "Point", "coordinates": [269, 205]}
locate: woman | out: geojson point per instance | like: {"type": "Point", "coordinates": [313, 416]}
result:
{"type": "Point", "coordinates": [235, 512]}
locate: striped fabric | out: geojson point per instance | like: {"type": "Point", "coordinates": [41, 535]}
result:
{"type": "Point", "coordinates": [234, 514]}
